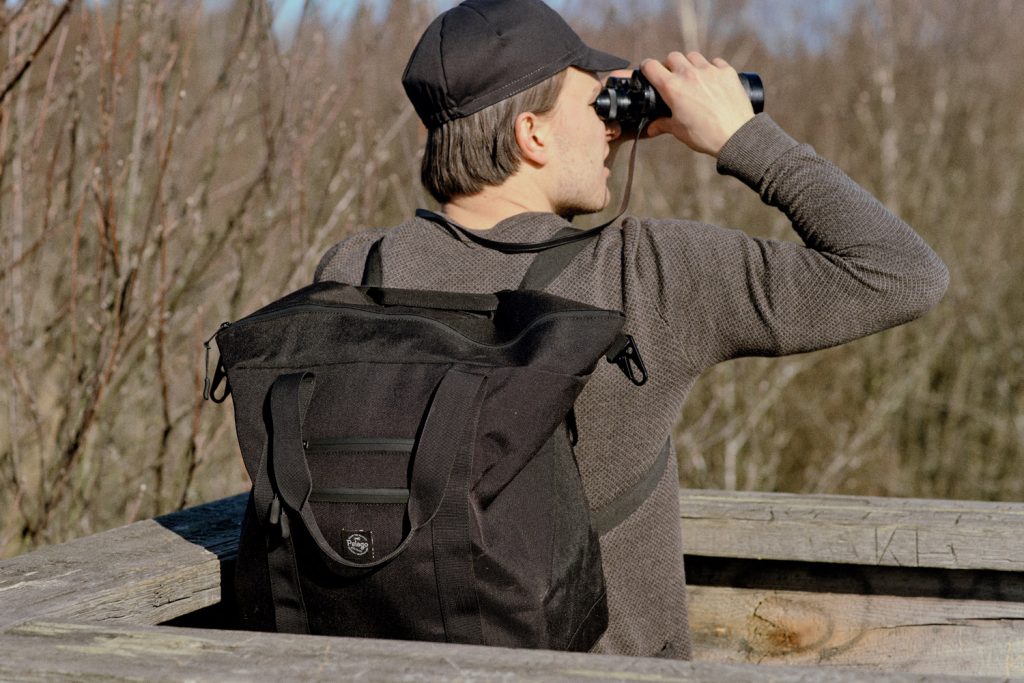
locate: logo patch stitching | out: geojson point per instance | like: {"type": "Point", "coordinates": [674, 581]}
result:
{"type": "Point", "coordinates": [358, 544]}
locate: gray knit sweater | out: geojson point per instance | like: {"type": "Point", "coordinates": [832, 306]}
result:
{"type": "Point", "coordinates": [693, 295]}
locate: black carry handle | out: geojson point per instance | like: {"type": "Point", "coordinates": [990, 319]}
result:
{"type": "Point", "coordinates": [440, 467]}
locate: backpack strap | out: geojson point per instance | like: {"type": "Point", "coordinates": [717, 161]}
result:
{"type": "Point", "coordinates": [289, 398]}
{"type": "Point", "coordinates": [373, 273]}
{"type": "Point", "coordinates": [544, 268]}
{"type": "Point", "coordinates": [553, 257]}
{"type": "Point", "coordinates": [549, 264]}
{"type": "Point", "coordinates": [615, 512]}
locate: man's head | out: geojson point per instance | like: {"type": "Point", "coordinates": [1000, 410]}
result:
{"type": "Point", "coordinates": [477, 68]}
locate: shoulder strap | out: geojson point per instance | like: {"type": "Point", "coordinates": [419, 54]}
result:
{"type": "Point", "coordinates": [616, 511]}
{"type": "Point", "coordinates": [373, 273]}
{"type": "Point", "coordinates": [548, 264]}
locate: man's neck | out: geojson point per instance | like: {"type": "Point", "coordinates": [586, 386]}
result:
{"type": "Point", "coordinates": [492, 205]}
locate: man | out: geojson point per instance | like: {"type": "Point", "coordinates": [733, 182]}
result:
{"type": "Point", "coordinates": [515, 148]}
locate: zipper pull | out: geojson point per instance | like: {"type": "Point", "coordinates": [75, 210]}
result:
{"type": "Point", "coordinates": [279, 518]}
{"type": "Point", "coordinates": [219, 373]}
{"type": "Point", "coordinates": [274, 517]}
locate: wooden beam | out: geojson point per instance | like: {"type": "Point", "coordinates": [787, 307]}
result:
{"type": "Point", "coordinates": [844, 599]}
{"type": "Point", "coordinates": [144, 573]}
{"type": "Point", "coordinates": [156, 570]}
{"type": "Point", "coordinates": [74, 652]}
{"type": "Point", "coordinates": [896, 532]}
{"type": "Point", "coordinates": [921, 635]}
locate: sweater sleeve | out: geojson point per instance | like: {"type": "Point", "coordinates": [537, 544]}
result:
{"type": "Point", "coordinates": [859, 270]}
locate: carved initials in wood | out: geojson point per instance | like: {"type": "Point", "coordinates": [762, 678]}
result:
{"type": "Point", "coordinates": [898, 546]}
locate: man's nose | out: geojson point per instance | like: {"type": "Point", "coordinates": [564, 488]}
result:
{"type": "Point", "coordinates": [612, 131]}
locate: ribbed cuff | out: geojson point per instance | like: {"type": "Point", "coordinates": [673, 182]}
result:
{"type": "Point", "coordinates": [752, 149]}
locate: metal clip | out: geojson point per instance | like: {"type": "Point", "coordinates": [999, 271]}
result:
{"type": "Point", "coordinates": [626, 355]}
{"type": "Point", "coordinates": [219, 373]}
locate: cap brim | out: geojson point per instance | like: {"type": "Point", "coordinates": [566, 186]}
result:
{"type": "Point", "coordinates": [595, 60]}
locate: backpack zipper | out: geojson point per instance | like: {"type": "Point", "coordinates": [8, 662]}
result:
{"type": "Point", "coordinates": [356, 444]}
{"type": "Point", "coordinates": [288, 309]}
{"type": "Point", "coordinates": [345, 495]}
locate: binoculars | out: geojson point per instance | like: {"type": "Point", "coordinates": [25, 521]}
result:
{"type": "Point", "coordinates": [628, 101]}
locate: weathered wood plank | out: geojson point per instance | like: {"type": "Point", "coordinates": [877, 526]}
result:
{"type": "Point", "coordinates": [145, 573]}
{"type": "Point", "coordinates": [155, 570]}
{"type": "Point", "coordinates": [49, 651]}
{"type": "Point", "coordinates": [921, 635]}
{"type": "Point", "coordinates": [855, 530]}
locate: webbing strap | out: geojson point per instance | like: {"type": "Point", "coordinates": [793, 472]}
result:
{"type": "Point", "coordinates": [625, 504]}
{"type": "Point", "coordinates": [544, 268]}
{"type": "Point", "coordinates": [289, 396]}
{"type": "Point", "coordinates": [548, 264]}
{"type": "Point", "coordinates": [372, 271]}
{"type": "Point", "coordinates": [286, 593]}
{"type": "Point", "coordinates": [288, 467]}
{"type": "Point", "coordinates": [450, 533]}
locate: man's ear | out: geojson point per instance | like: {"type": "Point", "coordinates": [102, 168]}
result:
{"type": "Point", "coordinates": [533, 135]}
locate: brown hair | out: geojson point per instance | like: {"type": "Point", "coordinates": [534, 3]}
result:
{"type": "Point", "coordinates": [465, 155]}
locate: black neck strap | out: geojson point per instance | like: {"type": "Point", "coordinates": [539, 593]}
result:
{"type": "Point", "coordinates": [530, 247]}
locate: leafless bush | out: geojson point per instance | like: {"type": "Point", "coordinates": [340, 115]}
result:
{"type": "Point", "coordinates": [165, 167]}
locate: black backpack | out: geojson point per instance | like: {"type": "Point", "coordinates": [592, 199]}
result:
{"type": "Point", "coordinates": [412, 464]}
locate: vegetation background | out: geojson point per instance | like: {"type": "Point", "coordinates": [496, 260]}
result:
{"type": "Point", "coordinates": [165, 166]}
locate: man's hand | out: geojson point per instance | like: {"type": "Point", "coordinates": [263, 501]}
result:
{"type": "Point", "coordinates": [707, 100]}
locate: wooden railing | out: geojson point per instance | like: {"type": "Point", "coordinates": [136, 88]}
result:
{"type": "Point", "coordinates": [884, 589]}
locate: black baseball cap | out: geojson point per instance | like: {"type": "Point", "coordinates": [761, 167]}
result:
{"type": "Point", "coordinates": [484, 51]}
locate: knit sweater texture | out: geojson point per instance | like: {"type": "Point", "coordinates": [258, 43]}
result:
{"type": "Point", "coordinates": [693, 295]}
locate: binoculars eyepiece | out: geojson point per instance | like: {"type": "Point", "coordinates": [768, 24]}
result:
{"type": "Point", "coordinates": [628, 101]}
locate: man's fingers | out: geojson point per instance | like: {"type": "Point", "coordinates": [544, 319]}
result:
{"type": "Point", "coordinates": [705, 97]}
{"type": "Point", "coordinates": [698, 60]}
{"type": "Point", "coordinates": [655, 71]}
{"type": "Point", "coordinates": [678, 62]}
{"type": "Point", "coordinates": [656, 128]}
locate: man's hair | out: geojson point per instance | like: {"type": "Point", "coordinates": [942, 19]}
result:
{"type": "Point", "coordinates": [467, 154]}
